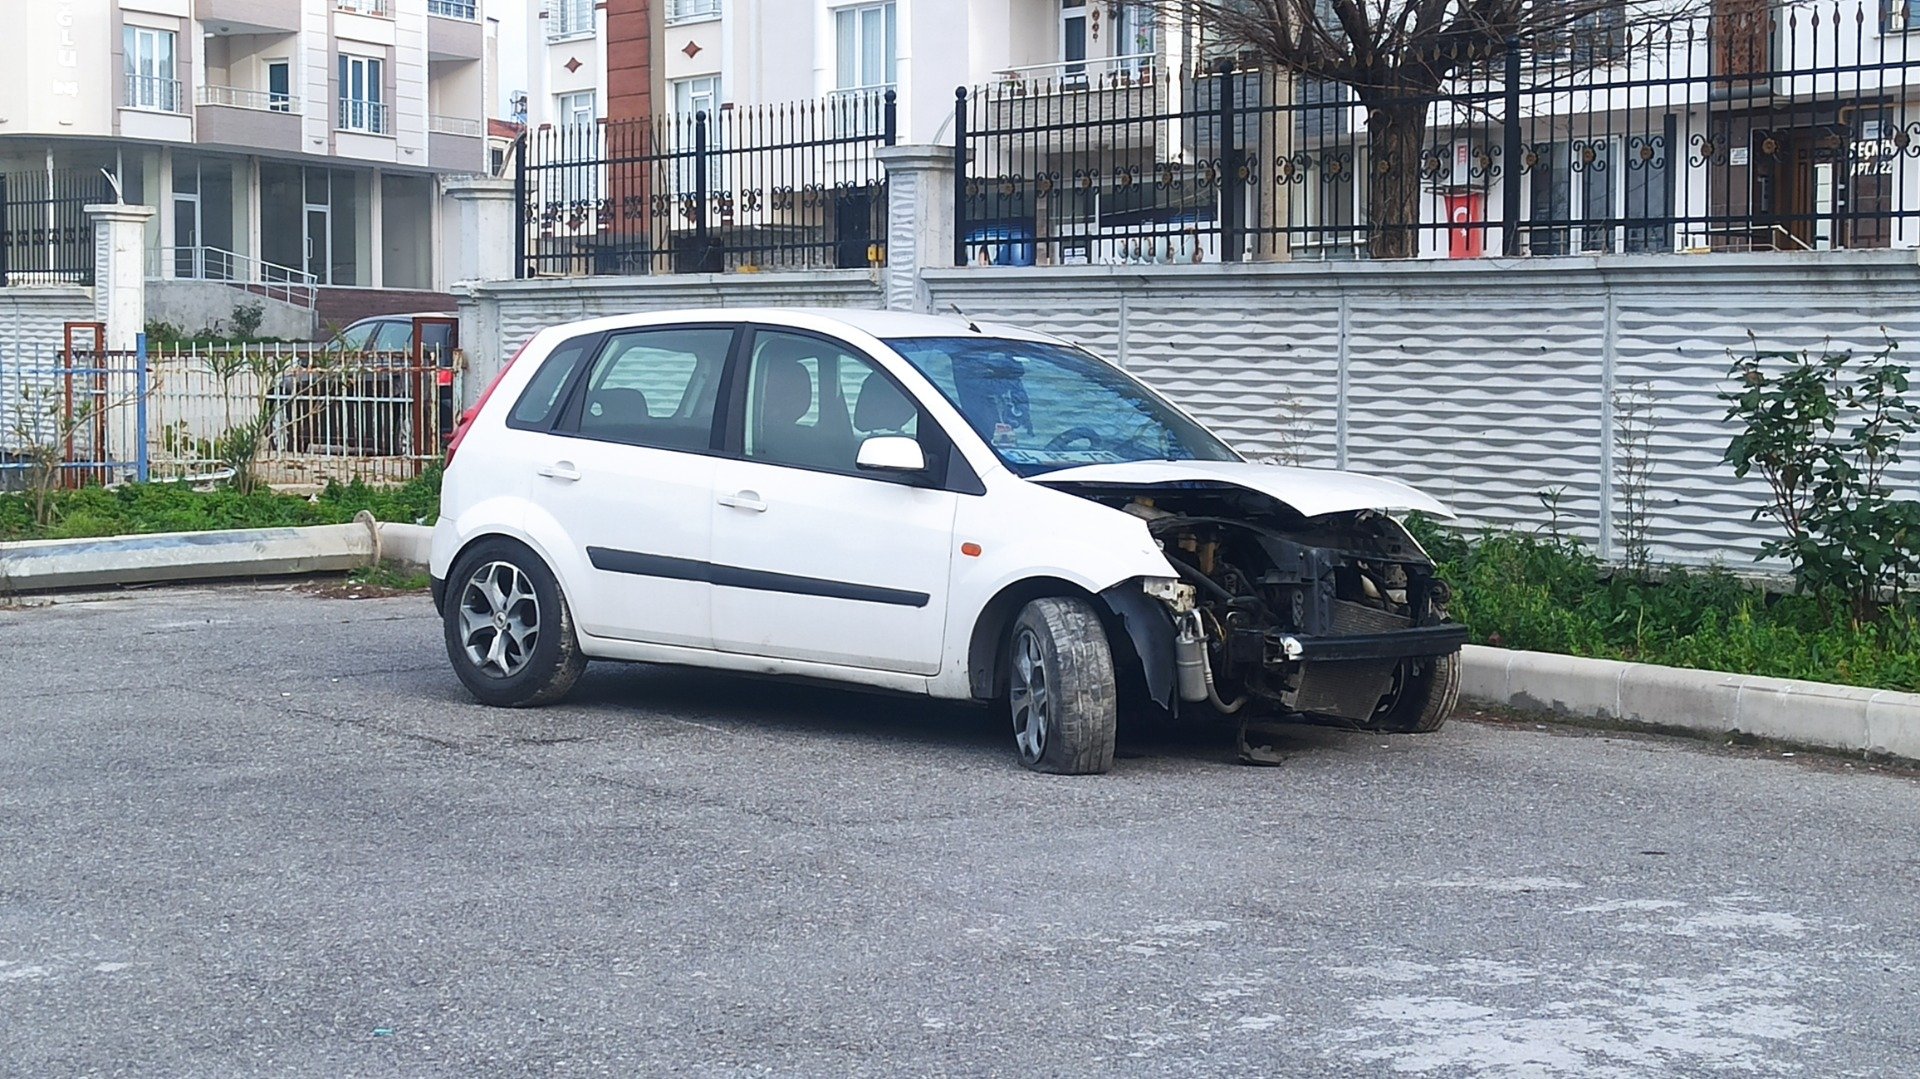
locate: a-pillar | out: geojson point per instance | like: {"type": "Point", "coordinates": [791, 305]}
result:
{"type": "Point", "coordinates": [919, 221]}
{"type": "Point", "coordinates": [486, 220]}
{"type": "Point", "coordinates": [120, 271]}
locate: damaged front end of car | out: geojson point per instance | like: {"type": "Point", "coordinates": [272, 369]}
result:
{"type": "Point", "coordinates": [1338, 617]}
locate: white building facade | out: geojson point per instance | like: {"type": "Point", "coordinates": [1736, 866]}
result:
{"type": "Point", "coordinates": [275, 139]}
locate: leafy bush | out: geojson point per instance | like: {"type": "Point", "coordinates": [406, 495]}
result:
{"type": "Point", "coordinates": [246, 320]}
{"type": "Point", "coordinates": [1848, 539]}
{"type": "Point", "coordinates": [1552, 595]}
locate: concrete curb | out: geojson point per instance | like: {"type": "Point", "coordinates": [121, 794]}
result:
{"type": "Point", "coordinates": [1816, 714]}
{"type": "Point", "coordinates": [46, 565]}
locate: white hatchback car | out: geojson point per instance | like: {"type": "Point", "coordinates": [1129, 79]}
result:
{"type": "Point", "coordinates": [924, 505]}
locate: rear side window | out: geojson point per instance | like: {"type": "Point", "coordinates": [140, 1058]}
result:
{"type": "Point", "coordinates": [655, 387]}
{"type": "Point", "coordinates": [394, 337]}
{"type": "Point", "coordinates": [540, 402]}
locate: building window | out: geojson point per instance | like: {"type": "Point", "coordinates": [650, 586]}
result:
{"type": "Point", "coordinates": [575, 110]}
{"type": "Point", "coordinates": [1073, 38]}
{"type": "Point", "coordinates": [363, 96]}
{"type": "Point", "coordinates": [864, 37]}
{"type": "Point", "coordinates": [151, 74]}
{"type": "Point", "coordinates": [679, 11]}
{"type": "Point", "coordinates": [280, 85]}
{"type": "Point", "coordinates": [1136, 38]}
{"type": "Point", "coordinates": [692, 96]}
{"type": "Point", "coordinates": [569, 18]}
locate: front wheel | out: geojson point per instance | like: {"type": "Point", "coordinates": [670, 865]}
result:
{"type": "Point", "coordinates": [1060, 688]}
{"type": "Point", "coordinates": [1424, 694]}
{"type": "Point", "coordinates": [509, 633]}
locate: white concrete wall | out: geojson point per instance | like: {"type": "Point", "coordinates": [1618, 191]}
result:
{"type": "Point", "coordinates": [32, 320]}
{"type": "Point", "coordinates": [1486, 384]}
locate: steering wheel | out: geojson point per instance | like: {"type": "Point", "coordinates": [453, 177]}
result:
{"type": "Point", "coordinates": [1091, 436]}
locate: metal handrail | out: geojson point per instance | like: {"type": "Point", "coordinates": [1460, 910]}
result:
{"type": "Point", "coordinates": [271, 279]}
{"type": "Point", "coordinates": [153, 92]}
{"type": "Point", "coordinates": [244, 98]}
{"type": "Point", "coordinates": [455, 125]}
{"type": "Point", "coordinates": [1107, 71]}
{"type": "Point", "coordinates": [453, 9]}
{"type": "Point", "coordinates": [366, 117]}
{"type": "Point", "coordinates": [378, 8]}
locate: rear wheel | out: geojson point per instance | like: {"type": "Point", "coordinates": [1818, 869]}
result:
{"type": "Point", "coordinates": [1060, 688]}
{"type": "Point", "coordinates": [1424, 694]}
{"type": "Point", "coordinates": [509, 633]}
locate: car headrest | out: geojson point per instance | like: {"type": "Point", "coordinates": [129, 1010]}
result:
{"type": "Point", "coordinates": [881, 406]}
{"type": "Point", "coordinates": [786, 389]}
{"type": "Point", "coordinates": [620, 405]}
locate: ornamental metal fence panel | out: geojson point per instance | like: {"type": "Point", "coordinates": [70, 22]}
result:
{"type": "Point", "coordinates": [790, 186]}
{"type": "Point", "coordinates": [45, 234]}
{"type": "Point", "coordinates": [1754, 128]}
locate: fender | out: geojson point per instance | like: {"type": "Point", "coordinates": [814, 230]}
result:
{"type": "Point", "coordinates": [1150, 628]}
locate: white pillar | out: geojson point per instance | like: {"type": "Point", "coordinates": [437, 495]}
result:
{"type": "Point", "coordinates": [919, 221]}
{"type": "Point", "coordinates": [486, 221]}
{"type": "Point", "coordinates": [119, 271]}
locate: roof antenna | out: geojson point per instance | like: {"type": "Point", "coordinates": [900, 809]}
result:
{"type": "Point", "coordinates": [971, 325]}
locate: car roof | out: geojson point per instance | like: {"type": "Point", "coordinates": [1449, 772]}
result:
{"type": "Point", "coordinates": [881, 324]}
{"type": "Point", "coordinates": [409, 315]}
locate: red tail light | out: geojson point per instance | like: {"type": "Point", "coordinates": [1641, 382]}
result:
{"type": "Point", "coordinates": [465, 422]}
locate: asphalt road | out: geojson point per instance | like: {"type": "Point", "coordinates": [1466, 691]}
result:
{"type": "Point", "coordinates": [247, 831]}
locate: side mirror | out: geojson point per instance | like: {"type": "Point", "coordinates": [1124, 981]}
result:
{"type": "Point", "coordinates": [891, 453]}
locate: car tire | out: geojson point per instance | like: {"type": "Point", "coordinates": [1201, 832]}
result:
{"type": "Point", "coordinates": [509, 633]}
{"type": "Point", "coordinates": [1424, 694]}
{"type": "Point", "coordinates": [1060, 692]}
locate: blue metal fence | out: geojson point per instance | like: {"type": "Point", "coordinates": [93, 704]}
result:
{"type": "Point", "coordinates": [73, 418]}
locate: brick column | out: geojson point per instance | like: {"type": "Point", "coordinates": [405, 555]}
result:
{"type": "Point", "coordinates": [919, 221]}
{"type": "Point", "coordinates": [120, 271]}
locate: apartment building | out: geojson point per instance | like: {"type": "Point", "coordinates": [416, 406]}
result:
{"type": "Point", "coordinates": [276, 139]}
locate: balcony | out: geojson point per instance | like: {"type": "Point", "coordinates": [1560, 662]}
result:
{"type": "Point", "coordinates": [466, 10]}
{"type": "Point", "coordinates": [457, 144]}
{"type": "Point", "coordinates": [247, 119]}
{"type": "Point", "coordinates": [364, 117]}
{"type": "Point", "coordinates": [679, 11]}
{"type": "Point", "coordinates": [248, 16]}
{"type": "Point", "coordinates": [151, 93]}
{"type": "Point", "coordinates": [379, 9]}
{"type": "Point", "coordinates": [1089, 105]}
{"type": "Point", "coordinates": [453, 33]}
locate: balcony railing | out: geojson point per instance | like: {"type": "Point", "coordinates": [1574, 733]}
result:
{"type": "Point", "coordinates": [379, 8]}
{"type": "Point", "coordinates": [366, 117]}
{"type": "Point", "coordinates": [692, 10]}
{"type": "Point", "coordinates": [1096, 73]}
{"type": "Point", "coordinates": [235, 97]}
{"type": "Point", "coordinates": [454, 9]}
{"type": "Point", "coordinates": [153, 93]}
{"type": "Point", "coordinates": [455, 125]}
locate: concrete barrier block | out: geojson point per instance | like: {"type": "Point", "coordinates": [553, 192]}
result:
{"type": "Point", "coordinates": [1893, 724]}
{"type": "Point", "coordinates": [407, 545]}
{"type": "Point", "coordinates": [1704, 701]}
{"type": "Point", "coordinates": [1566, 685]}
{"type": "Point", "coordinates": [183, 556]}
{"type": "Point", "coordinates": [1483, 673]}
{"type": "Point", "coordinates": [1811, 713]}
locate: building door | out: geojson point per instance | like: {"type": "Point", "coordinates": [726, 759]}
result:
{"type": "Point", "coordinates": [1800, 187]}
{"type": "Point", "coordinates": [189, 258]}
{"type": "Point", "coordinates": [1073, 40]}
{"type": "Point", "coordinates": [319, 224]}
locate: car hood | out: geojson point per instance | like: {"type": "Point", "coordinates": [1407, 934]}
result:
{"type": "Point", "coordinates": [1312, 492]}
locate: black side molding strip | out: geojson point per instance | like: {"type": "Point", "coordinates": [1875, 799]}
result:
{"type": "Point", "coordinates": [687, 569]}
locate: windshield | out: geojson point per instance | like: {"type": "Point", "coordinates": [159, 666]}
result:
{"type": "Point", "coordinates": [1043, 406]}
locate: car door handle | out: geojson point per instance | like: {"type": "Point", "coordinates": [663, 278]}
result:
{"type": "Point", "coordinates": [744, 500]}
{"type": "Point", "coordinates": [562, 471]}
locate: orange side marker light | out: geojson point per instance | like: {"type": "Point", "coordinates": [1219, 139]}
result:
{"type": "Point", "coordinates": [971, 550]}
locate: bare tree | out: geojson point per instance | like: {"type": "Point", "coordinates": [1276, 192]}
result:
{"type": "Point", "coordinates": [1397, 55]}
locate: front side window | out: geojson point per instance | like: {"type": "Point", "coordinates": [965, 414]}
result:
{"type": "Point", "coordinates": [152, 79]}
{"type": "Point", "coordinates": [363, 95]}
{"type": "Point", "coordinates": [656, 387]}
{"type": "Point", "coordinates": [811, 403]}
{"type": "Point", "coordinates": [1043, 406]}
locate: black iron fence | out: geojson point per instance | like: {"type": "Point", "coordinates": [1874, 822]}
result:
{"type": "Point", "coordinates": [45, 234]}
{"type": "Point", "coordinates": [1790, 128]}
{"type": "Point", "coordinates": [773, 186]}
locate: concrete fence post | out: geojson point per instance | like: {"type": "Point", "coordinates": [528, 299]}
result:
{"type": "Point", "coordinates": [919, 221]}
{"type": "Point", "coordinates": [120, 271]}
{"type": "Point", "coordinates": [487, 222]}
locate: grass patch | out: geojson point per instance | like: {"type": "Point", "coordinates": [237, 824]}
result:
{"type": "Point", "coordinates": [1551, 595]}
{"type": "Point", "coordinates": [170, 507]}
{"type": "Point", "coordinates": [392, 577]}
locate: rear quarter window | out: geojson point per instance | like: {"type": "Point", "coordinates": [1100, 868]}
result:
{"type": "Point", "coordinates": [540, 402]}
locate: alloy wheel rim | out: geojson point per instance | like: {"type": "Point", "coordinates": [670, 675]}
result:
{"type": "Point", "coordinates": [1030, 695]}
{"type": "Point", "coordinates": [499, 619]}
